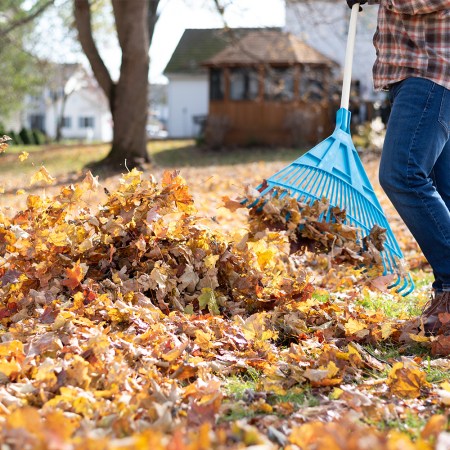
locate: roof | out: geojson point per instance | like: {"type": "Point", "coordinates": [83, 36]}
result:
{"type": "Point", "coordinates": [197, 45]}
{"type": "Point", "coordinates": [269, 46]}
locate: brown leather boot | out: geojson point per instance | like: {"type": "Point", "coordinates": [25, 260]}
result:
{"type": "Point", "coordinates": [439, 303]}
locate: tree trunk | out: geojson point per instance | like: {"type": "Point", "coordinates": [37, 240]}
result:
{"type": "Point", "coordinates": [128, 98]}
{"type": "Point", "coordinates": [130, 102]}
{"type": "Point", "coordinates": [59, 123]}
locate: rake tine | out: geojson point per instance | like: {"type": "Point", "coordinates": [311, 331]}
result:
{"type": "Point", "coordinates": [409, 283]}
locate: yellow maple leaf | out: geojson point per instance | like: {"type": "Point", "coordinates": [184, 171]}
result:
{"type": "Point", "coordinates": [9, 367]}
{"type": "Point", "coordinates": [23, 156]}
{"type": "Point", "coordinates": [406, 379]}
{"type": "Point", "coordinates": [204, 340]}
{"type": "Point", "coordinates": [59, 239]}
{"type": "Point", "coordinates": [11, 348]}
{"type": "Point", "coordinates": [386, 330]}
{"type": "Point", "coordinates": [60, 427]}
{"type": "Point", "coordinates": [26, 418]}
{"type": "Point", "coordinates": [357, 327]}
{"type": "Point", "coordinates": [42, 175]}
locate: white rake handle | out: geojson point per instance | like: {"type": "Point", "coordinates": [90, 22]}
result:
{"type": "Point", "coordinates": [346, 84]}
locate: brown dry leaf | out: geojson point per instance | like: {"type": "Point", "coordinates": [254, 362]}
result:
{"type": "Point", "coordinates": [232, 205]}
{"type": "Point", "coordinates": [382, 282]}
{"type": "Point", "coordinates": [441, 346]}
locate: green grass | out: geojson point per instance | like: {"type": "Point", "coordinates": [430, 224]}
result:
{"type": "Point", "coordinates": [243, 390]}
{"type": "Point", "coordinates": [189, 155]}
{"type": "Point", "coordinates": [304, 398]}
{"type": "Point", "coordinates": [407, 307]}
{"type": "Point", "coordinates": [411, 424]}
{"type": "Point", "coordinates": [69, 158]}
{"type": "Point", "coordinates": [402, 307]}
{"type": "Point", "coordinates": [391, 352]}
{"type": "Point", "coordinates": [237, 386]}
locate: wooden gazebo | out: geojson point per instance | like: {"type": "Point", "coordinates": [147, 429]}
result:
{"type": "Point", "coordinates": [269, 88]}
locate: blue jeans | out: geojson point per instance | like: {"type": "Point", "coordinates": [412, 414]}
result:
{"type": "Point", "coordinates": [415, 168]}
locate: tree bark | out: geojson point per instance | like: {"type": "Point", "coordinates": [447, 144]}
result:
{"type": "Point", "coordinates": [59, 124]}
{"type": "Point", "coordinates": [130, 102]}
{"type": "Point", "coordinates": [128, 98]}
{"type": "Point", "coordinates": [82, 12]}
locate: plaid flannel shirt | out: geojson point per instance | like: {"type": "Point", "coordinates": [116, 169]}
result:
{"type": "Point", "coordinates": [412, 40]}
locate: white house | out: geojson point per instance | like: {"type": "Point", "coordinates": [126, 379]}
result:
{"type": "Point", "coordinates": [73, 99]}
{"type": "Point", "coordinates": [323, 24]}
{"type": "Point", "coordinates": [188, 88]}
{"type": "Point", "coordinates": [185, 113]}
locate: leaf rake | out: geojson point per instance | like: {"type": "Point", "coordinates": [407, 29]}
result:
{"type": "Point", "coordinates": [333, 170]}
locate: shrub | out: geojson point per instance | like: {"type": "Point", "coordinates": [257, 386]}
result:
{"type": "Point", "coordinates": [26, 136]}
{"type": "Point", "coordinates": [39, 138]}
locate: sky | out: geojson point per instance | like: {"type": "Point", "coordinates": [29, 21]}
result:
{"type": "Point", "coordinates": [177, 15]}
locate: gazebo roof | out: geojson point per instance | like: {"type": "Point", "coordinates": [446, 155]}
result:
{"type": "Point", "coordinates": [269, 47]}
{"type": "Point", "coordinates": [197, 45]}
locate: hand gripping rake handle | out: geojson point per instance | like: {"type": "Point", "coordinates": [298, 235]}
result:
{"type": "Point", "coordinates": [346, 84]}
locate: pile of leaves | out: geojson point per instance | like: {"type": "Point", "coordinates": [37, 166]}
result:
{"type": "Point", "coordinates": [122, 327]}
{"type": "Point", "coordinates": [306, 229]}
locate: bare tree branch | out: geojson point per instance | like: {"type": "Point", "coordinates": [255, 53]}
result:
{"type": "Point", "coordinates": [26, 19]}
{"type": "Point", "coordinates": [153, 17]}
{"type": "Point", "coordinates": [83, 24]}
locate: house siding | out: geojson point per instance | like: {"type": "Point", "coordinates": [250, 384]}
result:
{"type": "Point", "coordinates": [187, 98]}
{"type": "Point", "coordinates": [324, 26]}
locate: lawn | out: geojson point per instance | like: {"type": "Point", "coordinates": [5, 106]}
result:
{"type": "Point", "coordinates": [143, 313]}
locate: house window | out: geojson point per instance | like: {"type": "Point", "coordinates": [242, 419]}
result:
{"type": "Point", "coordinates": [312, 83]}
{"type": "Point", "coordinates": [279, 83]}
{"type": "Point", "coordinates": [86, 122]}
{"type": "Point", "coordinates": [244, 84]}
{"type": "Point", "coordinates": [37, 122]}
{"type": "Point", "coordinates": [66, 122]}
{"type": "Point", "coordinates": [216, 84]}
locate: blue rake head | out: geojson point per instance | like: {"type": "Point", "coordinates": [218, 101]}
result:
{"type": "Point", "coordinates": [333, 169]}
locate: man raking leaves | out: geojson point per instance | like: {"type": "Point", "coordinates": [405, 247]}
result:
{"type": "Point", "coordinates": [413, 64]}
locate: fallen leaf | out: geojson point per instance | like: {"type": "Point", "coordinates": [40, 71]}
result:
{"type": "Point", "coordinates": [406, 379]}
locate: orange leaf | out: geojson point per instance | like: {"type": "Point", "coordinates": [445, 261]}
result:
{"type": "Point", "coordinates": [74, 277]}
{"type": "Point", "coordinates": [434, 426]}
{"type": "Point", "coordinates": [230, 204]}
{"type": "Point", "coordinates": [406, 379]}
